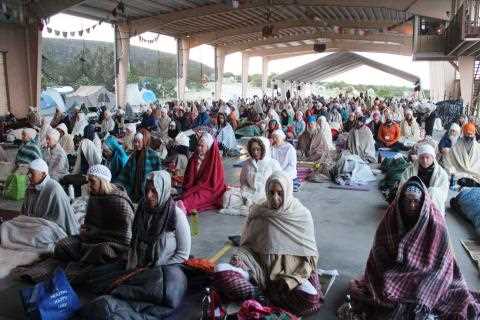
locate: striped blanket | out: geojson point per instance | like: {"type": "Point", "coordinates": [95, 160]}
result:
{"type": "Point", "coordinates": [415, 270]}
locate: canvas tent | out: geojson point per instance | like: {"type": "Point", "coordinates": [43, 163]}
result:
{"type": "Point", "coordinates": [92, 96]}
{"type": "Point", "coordinates": [136, 97]}
{"type": "Point", "coordinates": [51, 99]}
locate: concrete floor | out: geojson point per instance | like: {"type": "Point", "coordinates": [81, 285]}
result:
{"type": "Point", "coordinates": [345, 224]}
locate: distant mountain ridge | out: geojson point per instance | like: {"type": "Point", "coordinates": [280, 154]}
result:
{"type": "Point", "coordinates": [65, 50]}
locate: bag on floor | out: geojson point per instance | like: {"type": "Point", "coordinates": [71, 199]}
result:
{"type": "Point", "coordinates": [15, 187]}
{"type": "Point", "coordinates": [50, 300]}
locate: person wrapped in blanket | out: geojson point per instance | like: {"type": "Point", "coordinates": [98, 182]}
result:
{"type": "Point", "coordinates": [253, 177]}
{"type": "Point", "coordinates": [286, 155]}
{"type": "Point", "coordinates": [152, 285]}
{"type": "Point", "coordinates": [431, 173]}
{"type": "Point", "coordinates": [106, 232]}
{"type": "Point", "coordinates": [140, 163]}
{"type": "Point", "coordinates": [278, 254]}
{"type": "Point", "coordinates": [411, 272]}
{"type": "Point", "coordinates": [30, 148]}
{"type": "Point", "coordinates": [46, 199]}
{"type": "Point", "coordinates": [203, 182]}
{"type": "Point", "coordinates": [316, 140]}
{"type": "Point", "coordinates": [115, 155]}
{"type": "Point", "coordinates": [463, 159]}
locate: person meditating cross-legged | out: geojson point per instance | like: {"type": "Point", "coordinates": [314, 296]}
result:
{"type": "Point", "coordinates": [140, 163]}
{"type": "Point", "coordinates": [411, 272]}
{"type": "Point", "coordinates": [316, 140]}
{"type": "Point", "coordinates": [463, 159]}
{"type": "Point", "coordinates": [154, 283]}
{"type": "Point", "coordinates": [203, 182]}
{"type": "Point", "coordinates": [45, 198]}
{"type": "Point", "coordinates": [278, 254]}
{"type": "Point", "coordinates": [431, 173]}
{"type": "Point", "coordinates": [255, 172]}
{"type": "Point", "coordinates": [106, 233]}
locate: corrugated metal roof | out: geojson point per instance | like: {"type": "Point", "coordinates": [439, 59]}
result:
{"type": "Point", "coordinates": [337, 63]}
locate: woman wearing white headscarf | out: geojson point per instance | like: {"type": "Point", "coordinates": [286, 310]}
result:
{"type": "Point", "coordinates": [129, 136]}
{"type": "Point", "coordinates": [55, 156]}
{"type": "Point", "coordinates": [326, 132]}
{"type": "Point", "coordinates": [285, 154]}
{"type": "Point", "coordinates": [255, 172]}
{"type": "Point", "coordinates": [66, 140]}
{"type": "Point", "coordinates": [278, 253]}
{"type": "Point", "coordinates": [87, 155]}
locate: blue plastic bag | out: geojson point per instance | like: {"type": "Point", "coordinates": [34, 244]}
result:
{"type": "Point", "coordinates": [50, 300]}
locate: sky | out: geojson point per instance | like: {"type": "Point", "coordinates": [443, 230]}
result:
{"type": "Point", "coordinates": [233, 62]}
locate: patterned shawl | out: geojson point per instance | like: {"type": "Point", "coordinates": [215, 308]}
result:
{"type": "Point", "coordinates": [415, 267]}
{"type": "Point", "coordinates": [28, 152]}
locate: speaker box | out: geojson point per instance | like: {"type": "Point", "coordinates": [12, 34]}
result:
{"type": "Point", "coordinates": [299, 88]}
{"type": "Point", "coordinates": [319, 47]}
{"type": "Point", "coordinates": [275, 87]}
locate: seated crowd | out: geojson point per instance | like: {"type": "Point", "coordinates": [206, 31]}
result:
{"type": "Point", "coordinates": [141, 180]}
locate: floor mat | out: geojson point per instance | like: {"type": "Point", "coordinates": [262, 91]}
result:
{"type": "Point", "coordinates": [473, 249]}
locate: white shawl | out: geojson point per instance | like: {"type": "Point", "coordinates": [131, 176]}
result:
{"type": "Point", "coordinates": [90, 152]}
{"type": "Point", "coordinates": [439, 183]}
{"type": "Point", "coordinates": [463, 164]}
{"type": "Point", "coordinates": [326, 132]}
{"type": "Point", "coordinates": [285, 231]}
{"type": "Point", "coordinates": [254, 174]}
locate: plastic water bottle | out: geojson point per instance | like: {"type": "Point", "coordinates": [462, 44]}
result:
{"type": "Point", "coordinates": [71, 192]}
{"type": "Point", "coordinates": [453, 182]}
{"type": "Point", "coordinates": [194, 227]}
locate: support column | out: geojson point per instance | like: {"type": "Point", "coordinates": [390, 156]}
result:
{"type": "Point", "coordinates": [183, 52]}
{"type": "Point", "coordinates": [465, 68]}
{"type": "Point", "coordinates": [283, 89]}
{"type": "Point", "coordinates": [122, 49]}
{"type": "Point", "coordinates": [442, 78]}
{"type": "Point", "coordinates": [265, 62]}
{"type": "Point", "coordinates": [219, 66]}
{"type": "Point", "coordinates": [33, 45]}
{"type": "Point", "coordinates": [245, 63]}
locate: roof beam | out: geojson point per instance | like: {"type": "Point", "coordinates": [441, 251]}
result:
{"type": "Point", "coordinates": [46, 8]}
{"type": "Point", "coordinates": [334, 46]}
{"type": "Point", "coordinates": [151, 23]}
{"type": "Point", "coordinates": [398, 39]}
{"type": "Point", "coordinates": [218, 36]}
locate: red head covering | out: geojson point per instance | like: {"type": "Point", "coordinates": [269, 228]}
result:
{"type": "Point", "coordinates": [204, 188]}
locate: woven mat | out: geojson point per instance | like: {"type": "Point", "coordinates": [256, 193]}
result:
{"type": "Point", "coordinates": [473, 249]}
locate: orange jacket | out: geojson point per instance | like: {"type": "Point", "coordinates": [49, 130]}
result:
{"type": "Point", "coordinates": [389, 134]}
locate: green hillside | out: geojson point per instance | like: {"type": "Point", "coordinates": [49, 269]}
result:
{"type": "Point", "coordinates": [79, 62]}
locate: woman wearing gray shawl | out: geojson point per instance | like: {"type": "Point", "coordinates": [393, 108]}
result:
{"type": "Point", "coordinates": [154, 284]}
{"type": "Point", "coordinates": [161, 233]}
{"type": "Point", "coordinates": [278, 253]}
